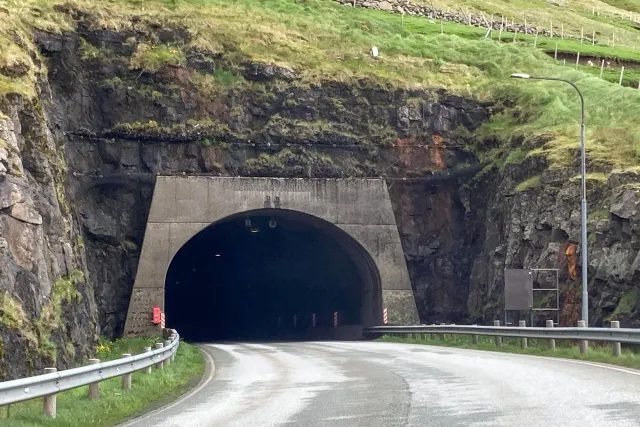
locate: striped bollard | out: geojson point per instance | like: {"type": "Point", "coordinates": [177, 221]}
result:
{"type": "Point", "coordinates": [385, 315]}
{"type": "Point", "coordinates": [335, 319]}
{"type": "Point", "coordinates": [295, 320]}
{"type": "Point", "coordinates": [313, 320]}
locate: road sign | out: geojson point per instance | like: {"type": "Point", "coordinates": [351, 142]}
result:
{"type": "Point", "coordinates": [156, 315]}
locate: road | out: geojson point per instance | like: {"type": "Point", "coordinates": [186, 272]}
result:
{"type": "Point", "coordinates": [373, 384]}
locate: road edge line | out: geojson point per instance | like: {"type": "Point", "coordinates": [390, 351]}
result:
{"type": "Point", "coordinates": [210, 366]}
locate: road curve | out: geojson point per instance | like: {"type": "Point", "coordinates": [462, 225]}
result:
{"type": "Point", "coordinates": [377, 384]}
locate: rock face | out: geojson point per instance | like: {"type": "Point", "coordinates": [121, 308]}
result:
{"type": "Point", "coordinates": [44, 321]}
{"type": "Point", "coordinates": [78, 164]}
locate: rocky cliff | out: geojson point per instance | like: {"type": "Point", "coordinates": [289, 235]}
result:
{"type": "Point", "coordinates": [114, 108]}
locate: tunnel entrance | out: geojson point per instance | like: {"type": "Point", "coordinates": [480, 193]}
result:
{"type": "Point", "coordinates": [267, 274]}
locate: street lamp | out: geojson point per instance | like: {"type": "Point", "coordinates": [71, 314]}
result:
{"type": "Point", "coordinates": [583, 170]}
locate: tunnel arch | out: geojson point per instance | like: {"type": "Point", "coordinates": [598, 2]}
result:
{"type": "Point", "coordinates": [248, 274]}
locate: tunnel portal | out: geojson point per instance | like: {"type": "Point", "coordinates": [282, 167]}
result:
{"type": "Point", "coordinates": [266, 274]}
{"type": "Point", "coordinates": [333, 245]}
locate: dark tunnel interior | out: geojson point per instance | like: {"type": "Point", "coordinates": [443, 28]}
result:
{"type": "Point", "coordinates": [266, 275]}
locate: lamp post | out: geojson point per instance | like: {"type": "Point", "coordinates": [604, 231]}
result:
{"type": "Point", "coordinates": [583, 181]}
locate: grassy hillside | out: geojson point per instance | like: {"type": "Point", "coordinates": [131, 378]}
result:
{"type": "Point", "coordinates": [321, 39]}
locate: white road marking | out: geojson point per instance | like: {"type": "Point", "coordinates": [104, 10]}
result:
{"type": "Point", "coordinates": [196, 390]}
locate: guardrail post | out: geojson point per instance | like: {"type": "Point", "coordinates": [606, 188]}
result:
{"type": "Point", "coordinates": [126, 378]}
{"type": "Point", "coordinates": [94, 388]}
{"type": "Point", "coordinates": [616, 348]}
{"type": "Point", "coordinates": [147, 370]}
{"type": "Point", "coordinates": [49, 401]}
{"type": "Point", "coordinates": [159, 365]}
{"type": "Point", "coordinates": [523, 341]}
{"type": "Point", "coordinates": [498, 339]}
{"type": "Point", "coordinates": [552, 341]}
{"type": "Point", "coordinates": [167, 361]}
{"type": "Point", "coordinates": [474, 338]}
{"type": "Point", "coordinates": [441, 336]}
{"type": "Point", "coordinates": [432, 335]}
{"type": "Point", "coordinates": [584, 344]}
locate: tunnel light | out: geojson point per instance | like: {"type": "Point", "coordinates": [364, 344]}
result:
{"type": "Point", "coordinates": [218, 255]}
{"type": "Point", "coordinates": [255, 230]}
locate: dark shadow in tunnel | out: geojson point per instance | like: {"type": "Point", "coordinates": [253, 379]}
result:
{"type": "Point", "coordinates": [265, 275]}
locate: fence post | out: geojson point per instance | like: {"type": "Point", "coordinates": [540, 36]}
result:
{"type": "Point", "coordinates": [616, 348]}
{"type": "Point", "coordinates": [498, 339]}
{"type": "Point", "coordinates": [173, 355]}
{"type": "Point", "coordinates": [474, 338]}
{"type": "Point", "coordinates": [159, 365]}
{"type": "Point", "coordinates": [432, 335]}
{"type": "Point", "coordinates": [147, 370]}
{"type": "Point", "coordinates": [621, 75]}
{"type": "Point", "coordinates": [584, 344]}
{"type": "Point", "coordinates": [552, 341]}
{"type": "Point", "coordinates": [126, 378]}
{"type": "Point", "coordinates": [167, 361]}
{"type": "Point", "coordinates": [49, 401]}
{"type": "Point", "coordinates": [94, 388]}
{"type": "Point", "coordinates": [523, 341]}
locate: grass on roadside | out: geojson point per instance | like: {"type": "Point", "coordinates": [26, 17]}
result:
{"type": "Point", "coordinates": [114, 404]}
{"type": "Point", "coordinates": [598, 352]}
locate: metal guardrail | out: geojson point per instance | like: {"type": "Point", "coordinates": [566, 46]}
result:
{"type": "Point", "coordinates": [49, 384]}
{"type": "Point", "coordinates": [622, 335]}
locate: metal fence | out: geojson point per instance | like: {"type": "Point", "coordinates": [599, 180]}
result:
{"type": "Point", "coordinates": [53, 382]}
{"type": "Point", "coordinates": [614, 334]}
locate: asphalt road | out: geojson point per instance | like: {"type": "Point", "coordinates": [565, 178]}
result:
{"type": "Point", "coordinates": [385, 384]}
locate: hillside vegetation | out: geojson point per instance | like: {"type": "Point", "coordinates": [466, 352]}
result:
{"type": "Point", "coordinates": [321, 40]}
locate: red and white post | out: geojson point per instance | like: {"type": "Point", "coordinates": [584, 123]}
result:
{"type": "Point", "coordinates": [385, 315]}
{"type": "Point", "coordinates": [335, 319]}
{"type": "Point", "coordinates": [313, 320]}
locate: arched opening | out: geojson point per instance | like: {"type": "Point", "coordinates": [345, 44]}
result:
{"type": "Point", "coordinates": [268, 274]}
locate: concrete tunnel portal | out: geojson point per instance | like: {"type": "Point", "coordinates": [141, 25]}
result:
{"type": "Point", "coordinates": [265, 274]}
{"type": "Point", "coordinates": [239, 257]}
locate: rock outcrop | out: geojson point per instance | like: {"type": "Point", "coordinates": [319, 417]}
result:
{"type": "Point", "coordinates": [78, 165]}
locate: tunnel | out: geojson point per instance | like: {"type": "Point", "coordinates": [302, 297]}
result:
{"type": "Point", "coordinates": [271, 274]}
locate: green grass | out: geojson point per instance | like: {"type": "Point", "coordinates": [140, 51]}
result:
{"type": "Point", "coordinates": [322, 41]}
{"type": "Point", "coordinates": [597, 352]}
{"type": "Point", "coordinates": [533, 182]}
{"type": "Point", "coordinates": [114, 405]}
{"type": "Point", "coordinates": [631, 5]}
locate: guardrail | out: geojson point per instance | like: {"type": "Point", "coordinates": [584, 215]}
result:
{"type": "Point", "coordinates": [53, 382]}
{"type": "Point", "coordinates": [614, 334]}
